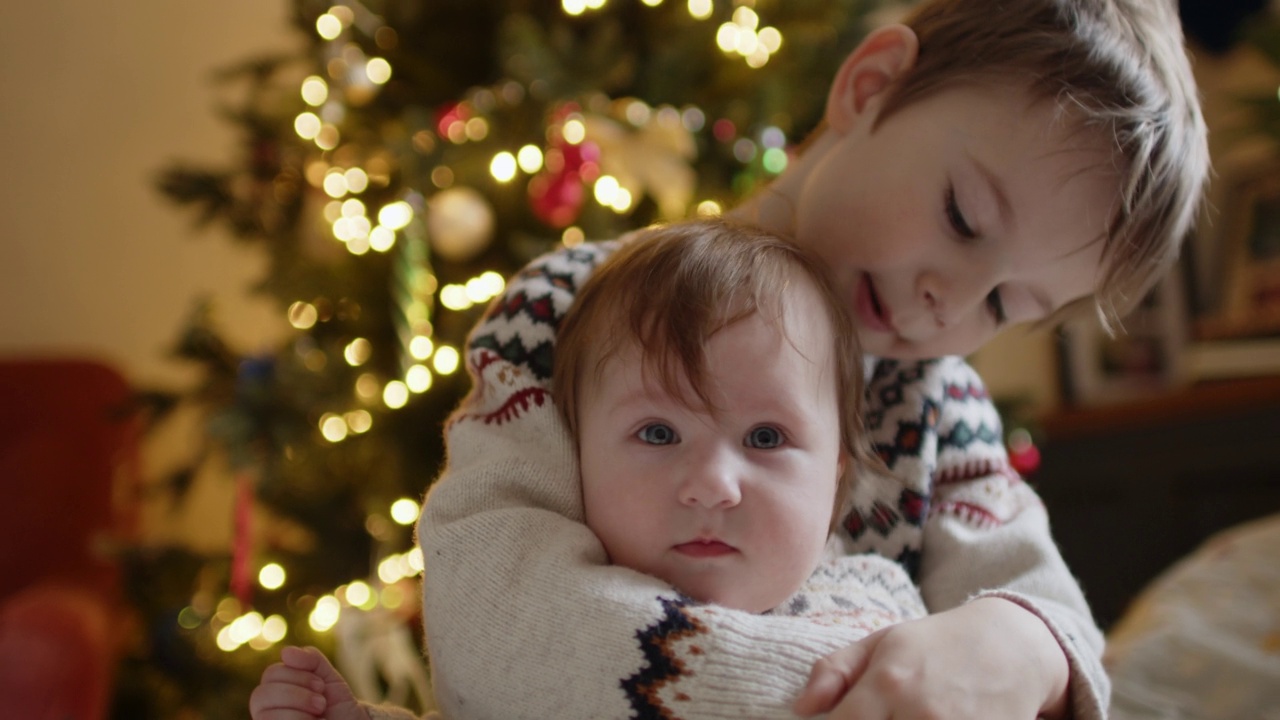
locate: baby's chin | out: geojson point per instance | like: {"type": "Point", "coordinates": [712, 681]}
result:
{"type": "Point", "coordinates": [736, 598]}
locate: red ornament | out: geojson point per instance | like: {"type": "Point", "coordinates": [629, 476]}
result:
{"type": "Point", "coordinates": [556, 199]}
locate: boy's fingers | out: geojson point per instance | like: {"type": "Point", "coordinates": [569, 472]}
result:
{"type": "Point", "coordinates": [303, 658]}
{"type": "Point", "coordinates": [834, 675]}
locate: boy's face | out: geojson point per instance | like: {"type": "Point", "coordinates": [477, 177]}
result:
{"type": "Point", "coordinates": [732, 508]}
{"type": "Point", "coordinates": [958, 216]}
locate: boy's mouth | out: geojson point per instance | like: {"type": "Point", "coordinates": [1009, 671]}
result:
{"type": "Point", "coordinates": [871, 312]}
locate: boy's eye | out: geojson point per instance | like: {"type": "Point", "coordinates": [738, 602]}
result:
{"type": "Point", "coordinates": [658, 434]}
{"type": "Point", "coordinates": [996, 305]}
{"type": "Point", "coordinates": [764, 438]}
{"type": "Point", "coordinates": [955, 217]}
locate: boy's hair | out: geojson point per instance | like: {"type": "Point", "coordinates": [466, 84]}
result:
{"type": "Point", "coordinates": [1115, 66]}
{"type": "Point", "coordinates": [671, 288]}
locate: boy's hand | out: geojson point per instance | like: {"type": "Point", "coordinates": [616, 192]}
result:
{"type": "Point", "coordinates": [989, 659]}
{"type": "Point", "coordinates": [303, 686]}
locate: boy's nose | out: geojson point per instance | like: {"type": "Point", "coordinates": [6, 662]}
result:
{"type": "Point", "coordinates": [946, 298]}
{"type": "Point", "coordinates": [714, 481]}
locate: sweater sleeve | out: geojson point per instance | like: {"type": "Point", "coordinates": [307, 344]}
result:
{"type": "Point", "coordinates": [523, 616]}
{"type": "Point", "coordinates": [987, 533]}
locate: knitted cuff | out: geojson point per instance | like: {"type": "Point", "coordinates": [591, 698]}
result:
{"type": "Point", "coordinates": [1089, 688]}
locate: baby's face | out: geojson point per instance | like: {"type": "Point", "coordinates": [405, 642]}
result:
{"type": "Point", "coordinates": [732, 508]}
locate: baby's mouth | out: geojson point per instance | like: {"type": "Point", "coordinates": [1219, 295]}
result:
{"type": "Point", "coordinates": [704, 548]}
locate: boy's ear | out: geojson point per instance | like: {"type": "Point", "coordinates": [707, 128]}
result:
{"type": "Point", "coordinates": [880, 59]}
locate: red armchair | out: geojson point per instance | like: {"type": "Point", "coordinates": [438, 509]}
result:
{"type": "Point", "coordinates": [67, 463]}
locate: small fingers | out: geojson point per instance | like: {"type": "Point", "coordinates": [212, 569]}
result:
{"type": "Point", "coordinates": [285, 701]}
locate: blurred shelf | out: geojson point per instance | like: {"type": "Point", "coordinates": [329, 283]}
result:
{"type": "Point", "coordinates": [1203, 400]}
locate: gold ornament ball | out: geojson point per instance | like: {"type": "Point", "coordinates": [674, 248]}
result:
{"type": "Point", "coordinates": [459, 223]}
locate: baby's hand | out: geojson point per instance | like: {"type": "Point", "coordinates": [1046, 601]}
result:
{"type": "Point", "coordinates": [303, 686]}
{"type": "Point", "coordinates": [989, 659]}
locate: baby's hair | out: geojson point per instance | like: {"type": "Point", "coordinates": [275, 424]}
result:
{"type": "Point", "coordinates": [670, 288]}
{"type": "Point", "coordinates": [1116, 68]}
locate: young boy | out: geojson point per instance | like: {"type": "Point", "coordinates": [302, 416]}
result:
{"type": "Point", "coordinates": [712, 382]}
{"type": "Point", "coordinates": [984, 165]}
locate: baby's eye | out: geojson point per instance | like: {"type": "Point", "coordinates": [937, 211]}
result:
{"type": "Point", "coordinates": [658, 434]}
{"type": "Point", "coordinates": [764, 437]}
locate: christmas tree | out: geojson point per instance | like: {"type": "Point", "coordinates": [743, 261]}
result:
{"type": "Point", "coordinates": [395, 171]}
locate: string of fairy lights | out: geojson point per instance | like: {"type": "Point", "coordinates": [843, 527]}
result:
{"type": "Point", "coordinates": [350, 78]}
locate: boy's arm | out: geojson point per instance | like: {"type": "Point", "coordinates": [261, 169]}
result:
{"type": "Point", "coordinates": [987, 535]}
{"type": "Point", "coordinates": [523, 616]}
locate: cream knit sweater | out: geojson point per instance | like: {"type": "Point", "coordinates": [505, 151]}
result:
{"type": "Point", "coordinates": [525, 618]}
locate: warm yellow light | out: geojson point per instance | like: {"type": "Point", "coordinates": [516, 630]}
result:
{"type": "Point", "coordinates": [352, 207]}
{"type": "Point", "coordinates": [225, 641]}
{"type": "Point", "coordinates": [357, 180]}
{"type": "Point", "coordinates": [503, 167]}
{"type": "Point", "coordinates": [758, 58]}
{"type": "Point", "coordinates": [274, 629]}
{"type": "Point", "coordinates": [573, 236]}
{"type": "Point", "coordinates": [414, 557]}
{"type": "Point", "coordinates": [333, 427]}
{"type": "Point", "coordinates": [395, 394]}
{"type": "Point", "coordinates": [395, 215]}
{"type": "Point", "coordinates": [271, 576]}
{"type": "Point", "coordinates": [700, 9]}
{"type": "Point", "coordinates": [389, 570]}
{"type": "Point", "coordinates": [652, 3]}
{"type": "Point", "coordinates": [382, 238]}
{"type": "Point", "coordinates": [328, 137]}
{"type": "Point", "coordinates": [418, 378]}
{"type": "Point", "coordinates": [358, 245]}
{"type": "Point", "coordinates": [746, 17]}
{"type": "Point", "coordinates": [709, 208]}
{"type": "Point", "coordinates": [454, 297]}
{"type": "Point", "coordinates": [357, 592]}
{"type": "Point", "coordinates": [445, 360]}
{"type": "Point", "coordinates": [595, 4]}
{"type": "Point", "coordinates": [493, 283]}
{"type": "Point", "coordinates": [606, 190]}
{"type": "Point", "coordinates": [421, 347]}
{"type": "Point", "coordinates": [574, 131]}
{"type": "Point", "coordinates": [404, 511]}
{"type": "Point", "coordinates": [727, 37]}
{"type": "Point", "coordinates": [477, 129]}
{"type": "Point", "coordinates": [771, 39]}
{"type": "Point", "coordinates": [359, 421]}
{"type": "Point", "coordinates": [325, 614]}
{"type": "Point", "coordinates": [303, 315]}
{"type": "Point", "coordinates": [530, 159]}
{"type": "Point", "coordinates": [367, 387]}
{"type": "Point", "coordinates": [328, 26]}
{"type": "Point", "coordinates": [246, 627]}
{"type": "Point", "coordinates": [574, 7]}
{"type": "Point", "coordinates": [315, 91]}
{"type": "Point", "coordinates": [378, 70]}
{"type": "Point", "coordinates": [357, 352]}
{"type": "Point", "coordinates": [307, 125]}
{"type": "Point", "coordinates": [621, 200]}
{"type": "Point", "coordinates": [335, 184]}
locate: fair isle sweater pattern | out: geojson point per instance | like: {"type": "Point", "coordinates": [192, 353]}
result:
{"type": "Point", "coordinates": [931, 422]}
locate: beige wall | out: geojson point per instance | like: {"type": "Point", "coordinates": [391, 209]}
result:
{"type": "Point", "coordinates": [96, 98]}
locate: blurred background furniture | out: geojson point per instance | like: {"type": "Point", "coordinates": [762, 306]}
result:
{"type": "Point", "coordinates": [68, 441]}
{"type": "Point", "coordinates": [1133, 487]}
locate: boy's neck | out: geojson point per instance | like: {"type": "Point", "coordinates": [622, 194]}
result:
{"type": "Point", "coordinates": [773, 207]}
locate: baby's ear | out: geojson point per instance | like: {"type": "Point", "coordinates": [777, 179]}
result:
{"type": "Point", "coordinates": [884, 56]}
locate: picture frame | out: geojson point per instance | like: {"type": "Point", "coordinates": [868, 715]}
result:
{"type": "Point", "coordinates": [1144, 358]}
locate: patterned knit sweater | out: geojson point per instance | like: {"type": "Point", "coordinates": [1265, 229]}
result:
{"type": "Point", "coordinates": [524, 618]}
